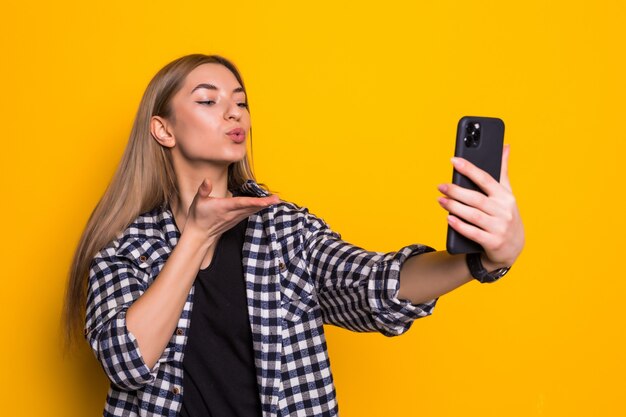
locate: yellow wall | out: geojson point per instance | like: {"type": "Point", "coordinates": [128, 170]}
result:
{"type": "Point", "coordinates": [354, 109]}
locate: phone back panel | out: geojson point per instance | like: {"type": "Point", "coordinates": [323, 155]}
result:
{"type": "Point", "coordinates": [487, 155]}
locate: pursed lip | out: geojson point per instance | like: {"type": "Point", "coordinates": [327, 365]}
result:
{"type": "Point", "coordinates": [236, 131]}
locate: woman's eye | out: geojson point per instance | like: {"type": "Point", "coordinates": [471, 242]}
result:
{"type": "Point", "coordinates": [210, 102]}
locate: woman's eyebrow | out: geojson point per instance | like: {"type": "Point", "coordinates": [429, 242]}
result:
{"type": "Point", "coordinates": [212, 87]}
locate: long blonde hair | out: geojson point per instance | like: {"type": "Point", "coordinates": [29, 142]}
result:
{"type": "Point", "coordinates": [144, 180]}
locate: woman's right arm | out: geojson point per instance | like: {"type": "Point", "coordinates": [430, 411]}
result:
{"type": "Point", "coordinates": [129, 323]}
{"type": "Point", "coordinates": [153, 317]}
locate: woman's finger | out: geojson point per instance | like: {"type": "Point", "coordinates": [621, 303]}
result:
{"type": "Point", "coordinates": [469, 214]}
{"type": "Point", "coordinates": [240, 207]}
{"type": "Point", "coordinates": [469, 231]}
{"type": "Point", "coordinates": [504, 170]}
{"type": "Point", "coordinates": [205, 188]}
{"type": "Point", "coordinates": [232, 207]}
{"type": "Point", "coordinates": [481, 178]}
{"type": "Point", "coordinates": [244, 203]}
{"type": "Point", "coordinates": [471, 198]}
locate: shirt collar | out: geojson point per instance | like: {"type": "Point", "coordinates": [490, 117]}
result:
{"type": "Point", "coordinates": [250, 188]}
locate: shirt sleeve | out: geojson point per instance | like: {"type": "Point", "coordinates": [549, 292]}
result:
{"type": "Point", "coordinates": [113, 286]}
{"type": "Point", "coordinates": [358, 289]}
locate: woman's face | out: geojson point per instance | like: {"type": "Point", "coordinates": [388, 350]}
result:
{"type": "Point", "coordinates": [210, 104]}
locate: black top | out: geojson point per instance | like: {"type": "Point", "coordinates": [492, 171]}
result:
{"type": "Point", "coordinates": [219, 372]}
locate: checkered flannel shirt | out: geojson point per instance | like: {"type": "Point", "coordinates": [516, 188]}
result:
{"type": "Point", "coordinates": [299, 275]}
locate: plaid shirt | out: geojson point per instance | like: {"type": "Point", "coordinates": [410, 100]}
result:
{"type": "Point", "coordinates": [299, 275]}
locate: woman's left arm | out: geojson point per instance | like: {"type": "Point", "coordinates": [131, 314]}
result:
{"type": "Point", "coordinates": [496, 226]}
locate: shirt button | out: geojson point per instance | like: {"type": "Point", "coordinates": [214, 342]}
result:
{"type": "Point", "coordinates": [142, 258]}
{"type": "Point", "coordinates": [175, 390]}
{"type": "Point", "coordinates": [180, 332]}
{"type": "Point", "coordinates": [281, 265]}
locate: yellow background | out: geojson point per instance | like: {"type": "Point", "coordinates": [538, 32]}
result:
{"type": "Point", "coordinates": [354, 109]}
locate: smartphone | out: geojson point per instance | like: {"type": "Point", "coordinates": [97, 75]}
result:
{"type": "Point", "coordinates": [479, 140]}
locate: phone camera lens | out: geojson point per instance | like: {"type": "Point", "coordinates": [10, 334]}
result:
{"type": "Point", "coordinates": [473, 135]}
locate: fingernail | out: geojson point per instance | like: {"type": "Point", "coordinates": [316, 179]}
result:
{"type": "Point", "coordinates": [441, 200]}
{"type": "Point", "coordinates": [456, 161]}
{"type": "Point", "coordinates": [442, 187]}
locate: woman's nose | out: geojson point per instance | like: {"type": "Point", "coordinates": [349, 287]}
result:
{"type": "Point", "coordinates": [233, 110]}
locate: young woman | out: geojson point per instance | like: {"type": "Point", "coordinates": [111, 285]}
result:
{"type": "Point", "coordinates": [233, 326]}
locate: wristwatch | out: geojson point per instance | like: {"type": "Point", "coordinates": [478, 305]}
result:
{"type": "Point", "coordinates": [479, 272]}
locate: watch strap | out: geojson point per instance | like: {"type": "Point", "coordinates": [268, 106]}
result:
{"type": "Point", "coordinates": [479, 272]}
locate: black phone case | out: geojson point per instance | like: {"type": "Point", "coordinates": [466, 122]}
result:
{"type": "Point", "coordinates": [487, 156]}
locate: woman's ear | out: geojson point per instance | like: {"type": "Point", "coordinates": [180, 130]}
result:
{"type": "Point", "coordinates": [161, 131]}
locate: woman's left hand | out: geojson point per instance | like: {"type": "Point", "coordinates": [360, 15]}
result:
{"type": "Point", "coordinates": [496, 223]}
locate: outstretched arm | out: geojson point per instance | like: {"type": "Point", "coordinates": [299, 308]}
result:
{"type": "Point", "coordinates": [496, 226]}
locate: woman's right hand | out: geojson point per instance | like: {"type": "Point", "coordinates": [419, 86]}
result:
{"type": "Point", "coordinates": [209, 217]}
